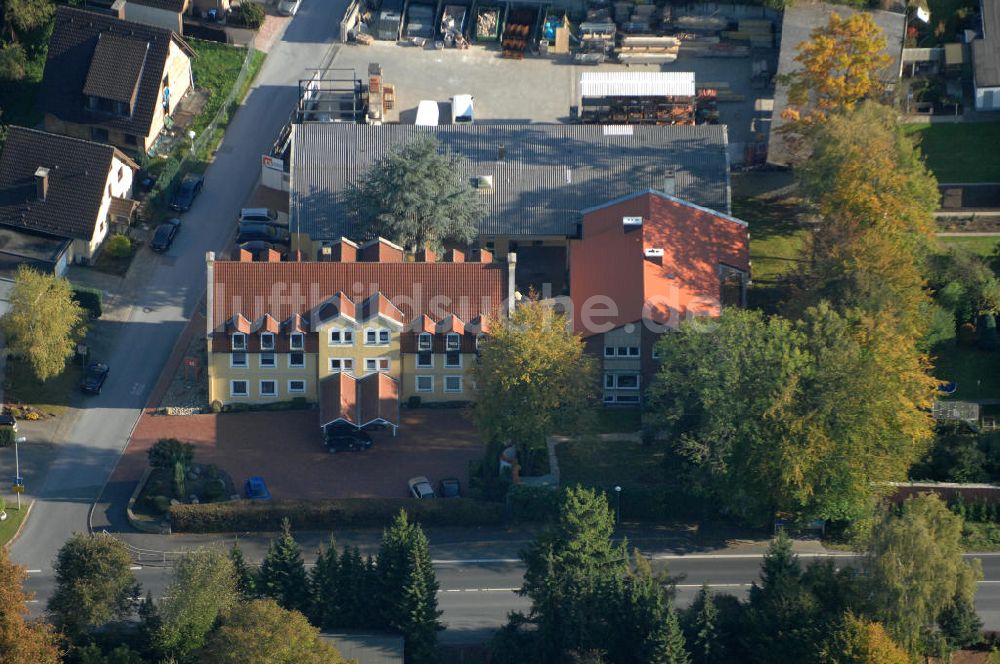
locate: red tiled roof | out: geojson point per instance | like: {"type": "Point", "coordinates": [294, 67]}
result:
{"type": "Point", "coordinates": [282, 289]}
{"type": "Point", "coordinates": [338, 399]}
{"type": "Point", "coordinates": [451, 324]}
{"type": "Point", "coordinates": [612, 262]}
{"type": "Point", "coordinates": [379, 399]}
{"type": "Point", "coordinates": [267, 323]}
{"type": "Point", "coordinates": [379, 304]}
{"type": "Point", "coordinates": [425, 324]}
{"type": "Point", "coordinates": [296, 323]}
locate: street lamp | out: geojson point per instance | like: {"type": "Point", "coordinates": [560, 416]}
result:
{"type": "Point", "coordinates": [618, 500]}
{"type": "Point", "coordinates": [18, 482]}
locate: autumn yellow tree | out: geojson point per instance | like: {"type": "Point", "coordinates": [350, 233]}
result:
{"type": "Point", "coordinates": [20, 640]}
{"type": "Point", "coordinates": [841, 64]}
{"type": "Point", "coordinates": [860, 641]}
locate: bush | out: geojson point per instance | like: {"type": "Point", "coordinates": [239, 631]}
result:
{"type": "Point", "coordinates": [158, 504]}
{"type": "Point", "coordinates": [118, 246]}
{"type": "Point", "coordinates": [7, 435]}
{"type": "Point", "coordinates": [656, 504]}
{"type": "Point", "coordinates": [251, 14]}
{"type": "Point", "coordinates": [167, 452]}
{"type": "Point", "coordinates": [216, 407]}
{"type": "Point", "coordinates": [967, 334]}
{"type": "Point", "coordinates": [215, 491]}
{"type": "Point", "coordinates": [90, 299]}
{"type": "Point", "coordinates": [330, 514]}
{"type": "Point", "coordinates": [179, 489]}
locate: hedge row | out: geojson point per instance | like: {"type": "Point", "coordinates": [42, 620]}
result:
{"type": "Point", "coordinates": [330, 514]}
{"type": "Point", "coordinates": [656, 504]}
{"type": "Point", "coordinates": [90, 299]}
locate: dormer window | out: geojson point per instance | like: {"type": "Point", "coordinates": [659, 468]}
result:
{"type": "Point", "coordinates": [267, 341]}
{"type": "Point", "coordinates": [239, 341]}
{"type": "Point", "coordinates": [297, 341]}
{"type": "Point", "coordinates": [424, 341]}
{"type": "Point", "coordinates": [453, 341]}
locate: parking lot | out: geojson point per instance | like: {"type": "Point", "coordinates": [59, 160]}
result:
{"type": "Point", "coordinates": [286, 449]}
{"type": "Point", "coordinates": [536, 89]}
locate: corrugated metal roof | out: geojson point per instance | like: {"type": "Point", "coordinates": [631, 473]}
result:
{"type": "Point", "coordinates": [986, 51]}
{"type": "Point", "coordinates": [799, 21]}
{"type": "Point", "coordinates": [637, 84]}
{"type": "Point", "coordinates": [543, 175]}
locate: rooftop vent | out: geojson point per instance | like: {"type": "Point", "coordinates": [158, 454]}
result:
{"type": "Point", "coordinates": [654, 252]}
{"type": "Point", "coordinates": [631, 221]}
{"type": "Point", "coordinates": [669, 183]}
{"type": "Point", "coordinates": [41, 183]}
{"type": "Point", "coordinates": [501, 152]}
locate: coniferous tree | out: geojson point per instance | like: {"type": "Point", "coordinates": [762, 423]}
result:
{"type": "Point", "coordinates": [324, 581]}
{"type": "Point", "coordinates": [150, 623]}
{"type": "Point", "coordinates": [408, 588]}
{"type": "Point", "coordinates": [283, 574]}
{"type": "Point", "coordinates": [357, 590]}
{"type": "Point", "coordinates": [246, 583]}
{"type": "Point", "coordinates": [960, 624]}
{"type": "Point", "coordinates": [704, 628]}
{"type": "Point", "coordinates": [670, 646]}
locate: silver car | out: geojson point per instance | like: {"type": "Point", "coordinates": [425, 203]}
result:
{"type": "Point", "coordinates": [420, 487]}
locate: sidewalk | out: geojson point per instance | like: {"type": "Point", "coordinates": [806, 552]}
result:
{"type": "Point", "coordinates": [454, 544]}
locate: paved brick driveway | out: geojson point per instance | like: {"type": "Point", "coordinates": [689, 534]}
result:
{"type": "Point", "coordinates": [286, 448]}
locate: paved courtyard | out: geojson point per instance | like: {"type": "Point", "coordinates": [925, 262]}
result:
{"type": "Point", "coordinates": [286, 449]}
{"type": "Point", "coordinates": [535, 89]}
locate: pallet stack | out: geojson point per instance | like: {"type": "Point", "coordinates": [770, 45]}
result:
{"type": "Point", "coordinates": [648, 49]}
{"type": "Point", "coordinates": [515, 35]}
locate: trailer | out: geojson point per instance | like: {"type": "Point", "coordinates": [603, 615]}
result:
{"type": "Point", "coordinates": [419, 21]}
{"type": "Point", "coordinates": [389, 21]}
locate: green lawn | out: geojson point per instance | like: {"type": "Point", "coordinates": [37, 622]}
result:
{"type": "Point", "coordinates": [977, 372]}
{"type": "Point", "coordinates": [215, 69]}
{"type": "Point", "coordinates": [14, 518]}
{"type": "Point", "coordinates": [51, 397]}
{"type": "Point", "coordinates": [984, 246]}
{"type": "Point", "coordinates": [961, 152]}
{"type": "Point", "coordinates": [617, 420]}
{"type": "Point", "coordinates": [601, 463]}
{"type": "Point", "coordinates": [776, 237]}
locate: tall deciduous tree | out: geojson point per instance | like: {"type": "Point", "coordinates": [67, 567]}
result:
{"type": "Point", "coordinates": [841, 64]}
{"type": "Point", "coordinates": [408, 588]}
{"type": "Point", "coordinates": [860, 641]}
{"type": "Point", "coordinates": [769, 416]}
{"type": "Point", "coordinates": [43, 321]}
{"type": "Point", "coordinates": [20, 640]}
{"type": "Point", "coordinates": [202, 589]}
{"type": "Point", "coordinates": [282, 574]}
{"type": "Point", "coordinates": [417, 195]}
{"type": "Point", "coordinates": [532, 377]}
{"type": "Point", "coordinates": [262, 631]}
{"type": "Point", "coordinates": [916, 569]}
{"type": "Point", "coordinates": [94, 584]}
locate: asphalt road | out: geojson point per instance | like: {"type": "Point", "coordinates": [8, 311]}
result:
{"type": "Point", "coordinates": [169, 288]}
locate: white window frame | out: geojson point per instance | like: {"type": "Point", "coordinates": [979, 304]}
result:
{"type": "Point", "coordinates": [453, 342]}
{"type": "Point", "coordinates": [421, 338]}
{"type": "Point", "coordinates": [292, 390]}
{"type": "Point", "coordinates": [346, 337]}
{"type": "Point", "coordinates": [373, 364]}
{"type": "Point", "coordinates": [613, 379]}
{"type": "Point", "coordinates": [609, 351]}
{"type": "Point", "coordinates": [232, 360]}
{"type": "Point", "coordinates": [234, 393]}
{"type": "Point", "coordinates": [377, 333]}
{"type": "Point", "coordinates": [342, 360]}
{"type": "Point", "coordinates": [296, 366]}
{"type": "Point", "coordinates": [429, 355]}
{"type": "Point", "coordinates": [460, 384]}
{"type": "Point", "coordinates": [274, 360]}
{"type": "Point", "coordinates": [239, 341]}
{"type": "Point", "coordinates": [416, 384]}
{"type": "Point", "coordinates": [633, 351]}
{"type": "Point", "coordinates": [655, 353]}
{"type": "Point", "coordinates": [297, 341]}
{"type": "Point", "coordinates": [448, 365]}
{"type": "Point", "coordinates": [269, 338]}
{"type": "Point", "coordinates": [268, 394]}
{"type": "Point", "coordinates": [627, 398]}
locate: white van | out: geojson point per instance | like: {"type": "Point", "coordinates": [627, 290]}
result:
{"type": "Point", "coordinates": [427, 113]}
{"type": "Point", "coordinates": [461, 109]}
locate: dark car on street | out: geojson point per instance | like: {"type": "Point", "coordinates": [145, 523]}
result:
{"type": "Point", "coordinates": [164, 235]}
{"type": "Point", "coordinates": [256, 488]}
{"type": "Point", "coordinates": [348, 441]}
{"type": "Point", "coordinates": [93, 377]}
{"type": "Point", "coordinates": [450, 487]}
{"type": "Point", "coordinates": [187, 191]}
{"type": "Point", "coordinates": [262, 233]}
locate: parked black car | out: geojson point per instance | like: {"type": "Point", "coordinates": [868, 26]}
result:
{"type": "Point", "coordinates": [450, 487]}
{"type": "Point", "coordinates": [93, 377]}
{"type": "Point", "coordinates": [347, 441]}
{"type": "Point", "coordinates": [165, 234]}
{"type": "Point", "coordinates": [264, 233]}
{"type": "Point", "coordinates": [187, 191]}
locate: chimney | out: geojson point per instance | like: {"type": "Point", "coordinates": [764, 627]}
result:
{"type": "Point", "coordinates": [41, 183]}
{"type": "Point", "coordinates": [245, 256]}
{"type": "Point", "coordinates": [511, 269]}
{"type": "Point", "coordinates": [454, 256]}
{"type": "Point", "coordinates": [484, 255]}
{"type": "Point", "coordinates": [426, 255]}
{"type": "Point", "coordinates": [654, 255]}
{"type": "Point", "coordinates": [669, 183]}
{"type": "Point", "coordinates": [501, 152]}
{"type": "Point", "coordinates": [273, 256]}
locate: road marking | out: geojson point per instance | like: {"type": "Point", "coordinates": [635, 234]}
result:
{"type": "Point", "coordinates": [135, 567]}
{"type": "Point", "coordinates": [476, 561]}
{"type": "Point", "coordinates": [479, 590]}
{"type": "Point", "coordinates": [715, 585]}
{"type": "Point", "coordinates": [725, 556]}
{"type": "Point", "coordinates": [34, 571]}
{"type": "Point", "coordinates": [31, 601]}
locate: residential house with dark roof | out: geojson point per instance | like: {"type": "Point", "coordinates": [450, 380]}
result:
{"type": "Point", "coordinates": [534, 179]}
{"type": "Point", "coordinates": [643, 264]}
{"type": "Point", "coordinates": [986, 58]}
{"type": "Point", "coordinates": [59, 198]}
{"type": "Point", "coordinates": [112, 81]}
{"type": "Point", "coordinates": [166, 14]}
{"type": "Point", "coordinates": [355, 334]}
{"type": "Point", "coordinates": [799, 20]}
